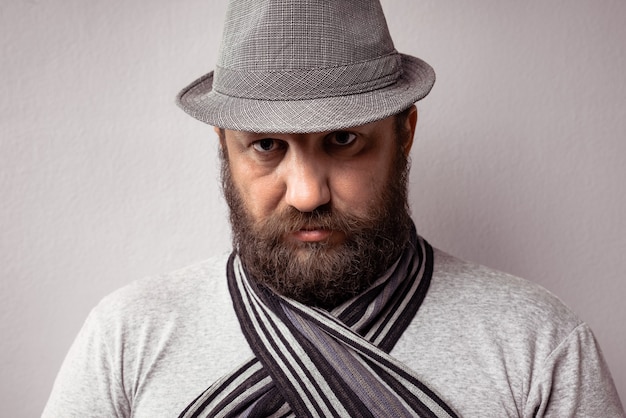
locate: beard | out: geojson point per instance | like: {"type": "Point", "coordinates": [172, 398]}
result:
{"type": "Point", "coordinates": [320, 273]}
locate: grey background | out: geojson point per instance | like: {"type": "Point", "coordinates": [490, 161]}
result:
{"type": "Point", "coordinates": [518, 161]}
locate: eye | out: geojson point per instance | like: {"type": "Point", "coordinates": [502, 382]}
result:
{"type": "Point", "coordinates": [342, 138]}
{"type": "Point", "coordinates": [266, 145]}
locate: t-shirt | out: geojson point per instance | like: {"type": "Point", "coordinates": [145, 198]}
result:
{"type": "Point", "coordinates": [489, 344]}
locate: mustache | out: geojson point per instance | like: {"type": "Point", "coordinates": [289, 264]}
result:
{"type": "Point", "coordinates": [324, 217]}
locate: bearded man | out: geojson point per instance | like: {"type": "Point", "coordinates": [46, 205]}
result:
{"type": "Point", "coordinates": [330, 304]}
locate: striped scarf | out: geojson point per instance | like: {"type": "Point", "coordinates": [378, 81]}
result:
{"type": "Point", "coordinates": [312, 363]}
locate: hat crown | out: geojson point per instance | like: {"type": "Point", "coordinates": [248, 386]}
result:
{"type": "Point", "coordinates": [301, 66]}
{"type": "Point", "coordinates": [284, 35]}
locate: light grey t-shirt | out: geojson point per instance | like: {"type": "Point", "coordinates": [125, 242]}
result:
{"type": "Point", "coordinates": [490, 344]}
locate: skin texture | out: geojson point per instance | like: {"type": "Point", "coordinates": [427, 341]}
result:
{"type": "Point", "coordinates": [328, 209]}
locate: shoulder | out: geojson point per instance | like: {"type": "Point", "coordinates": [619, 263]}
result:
{"type": "Point", "coordinates": [500, 345]}
{"type": "Point", "coordinates": [495, 296]}
{"type": "Point", "coordinates": [166, 293]}
{"type": "Point", "coordinates": [166, 307]}
{"type": "Point", "coordinates": [483, 315]}
{"type": "Point", "coordinates": [150, 344]}
{"type": "Point", "coordinates": [181, 325]}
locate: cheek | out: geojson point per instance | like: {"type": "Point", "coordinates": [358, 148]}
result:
{"type": "Point", "coordinates": [359, 186]}
{"type": "Point", "coordinates": [357, 191]}
{"type": "Point", "coordinates": [261, 194]}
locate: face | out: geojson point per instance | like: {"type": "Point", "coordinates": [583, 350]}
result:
{"type": "Point", "coordinates": [311, 212]}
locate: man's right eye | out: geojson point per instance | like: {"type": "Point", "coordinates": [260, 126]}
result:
{"type": "Point", "coordinates": [265, 145]}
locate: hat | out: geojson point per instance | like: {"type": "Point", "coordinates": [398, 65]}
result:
{"type": "Point", "coordinates": [298, 66]}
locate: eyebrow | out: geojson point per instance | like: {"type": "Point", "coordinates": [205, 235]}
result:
{"type": "Point", "coordinates": [249, 134]}
{"type": "Point", "coordinates": [243, 135]}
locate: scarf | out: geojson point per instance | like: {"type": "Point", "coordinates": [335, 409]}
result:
{"type": "Point", "coordinates": [313, 363]}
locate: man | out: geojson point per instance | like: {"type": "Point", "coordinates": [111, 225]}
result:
{"type": "Point", "coordinates": [331, 304]}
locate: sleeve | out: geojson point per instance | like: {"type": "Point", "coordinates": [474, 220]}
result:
{"type": "Point", "coordinates": [574, 382]}
{"type": "Point", "coordinates": [89, 383]}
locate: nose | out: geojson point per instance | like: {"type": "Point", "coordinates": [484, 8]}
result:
{"type": "Point", "coordinates": [307, 185]}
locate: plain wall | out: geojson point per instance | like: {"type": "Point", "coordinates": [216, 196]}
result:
{"type": "Point", "coordinates": [518, 161]}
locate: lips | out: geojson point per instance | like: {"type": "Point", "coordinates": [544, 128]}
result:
{"type": "Point", "coordinates": [312, 235]}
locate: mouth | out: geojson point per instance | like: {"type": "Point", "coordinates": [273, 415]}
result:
{"type": "Point", "coordinates": [312, 234]}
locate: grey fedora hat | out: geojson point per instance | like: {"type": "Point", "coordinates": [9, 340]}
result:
{"type": "Point", "coordinates": [297, 66]}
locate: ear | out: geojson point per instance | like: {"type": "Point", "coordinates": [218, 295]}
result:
{"type": "Point", "coordinates": [221, 136]}
{"type": "Point", "coordinates": [411, 122]}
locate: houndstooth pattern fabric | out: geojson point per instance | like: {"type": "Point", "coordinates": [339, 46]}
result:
{"type": "Point", "coordinates": [280, 59]}
{"type": "Point", "coordinates": [309, 84]}
{"type": "Point", "coordinates": [273, 35]}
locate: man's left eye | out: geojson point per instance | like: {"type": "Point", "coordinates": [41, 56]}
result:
{"type": "Point", "coordinates": [343, 138]}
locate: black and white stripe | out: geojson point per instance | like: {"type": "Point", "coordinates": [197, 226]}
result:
{"type": "Point", "coordinates": [312, 363]}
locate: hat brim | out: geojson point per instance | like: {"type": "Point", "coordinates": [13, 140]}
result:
{"type": "Point", "coordinates": [312, 115]}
